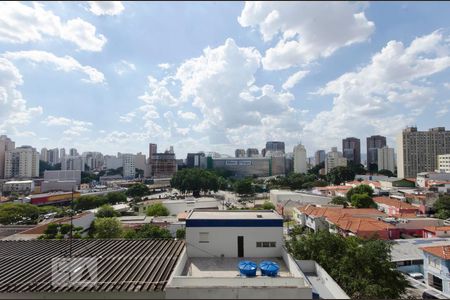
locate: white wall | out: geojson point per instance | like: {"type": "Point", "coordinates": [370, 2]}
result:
{"type": "Point", "coordinates": [223, 240]}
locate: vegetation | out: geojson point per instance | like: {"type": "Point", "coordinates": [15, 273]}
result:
{"type": "Point", "coordinates": [43, 166]}
{"type": "Point", "coordinates": [60, 211]}
{"type": "Point", "coordinates": [148, 231]}
{"type": "Point", "coordinates": [386, 173]}
{"type": "Point", "coordinates": [195, 181]}
{"type": "Point", "coordinates": [137, 190]}
{"type": "Point", "coordinates": [442, 207]}
{"type": "Point", "coordinates": [107, 228]}
{"type": "Point", "coordinates": [360, 189]}
{"type": "Point", "coordinates": [296, 181]}
{"type": "Point", "coordinates": [94, 201]}
{"type": "Point", "coordinates": [361, 267]}
{"type": "Point", "coordinates": [157, 209]}
{"type": "Point", "coordinates": [181, 233]}
{"type": "Point", "coordinates": [18, 213]}
{"type": "Point", "coordinates": [60, 231]}
{"type": "Point", "coordinates": [268, 205]}
{"type": "Point", "coordinates": [341, 174]}
{"type": "Point", "coordinates": [362, 201]}
{"type": "Point", "coordinates": [244, 187]}
{"type": "Point", "coordinates": [338, 200]}
{"type": "Point", "coordinates": [316, 169]}
{"type": "Point", "coordinates": [106, 211]}
{"type": "Point", "coordinates": [356, 168]}
{"type": "Point", "coordinates": [88, 177]}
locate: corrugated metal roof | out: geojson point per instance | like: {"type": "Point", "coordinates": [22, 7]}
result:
{"type": "Point", "coordinates": [122, 265]}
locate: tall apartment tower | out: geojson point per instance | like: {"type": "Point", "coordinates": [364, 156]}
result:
{"type": "Point", "coordinates": [374, 142]}
{"type": "Point", "coordinates": [252, 152]}
{"type": "Point", "coordinates": [152, 150]}
{"type": "Point", "coordinates": [300, 159]}
{"type": "Point", "coordinates": [6, 144]}
{"type": "Point", "coordinates": [22, 162]}
{"type": "Point", "coordinates": [53, 156]}
{"type": "Point", "coordinates": [73, 152]}
{"type": "Point", "coordinates": [351, 149]}
{"type": "Point", "coordinates": [319, 157]}
{"type": "Point", "coordinates": [385, 159]}
{"type": "Point", "coordinates": [129, 165]}
{"type": "Point", "coordinates": [274, 146]}
{"type": "Point", "coordinates": [62, 153]}
{"type": "Point", "coordinates": [418, 150]}
{"type": "Point", "coordinates": [334, 159]}
{"type": "Point", "coordinates": [239, 153]}
{"type": "Point", "coordinates": [44, 154]}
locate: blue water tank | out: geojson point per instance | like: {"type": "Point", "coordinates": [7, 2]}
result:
{"type": "Point", "coordinates": [269, 268]}
{"type": "Point", "coordinates": [247, 268]}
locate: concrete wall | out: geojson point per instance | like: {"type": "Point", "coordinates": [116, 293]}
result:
{"type": "Point", "coordinates": [223, 241]}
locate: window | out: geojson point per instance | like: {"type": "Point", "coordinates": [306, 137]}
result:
{"type": "Point", "coordinates": [203, 237]}
{"type": "Point", "coordinates": [266, 244]}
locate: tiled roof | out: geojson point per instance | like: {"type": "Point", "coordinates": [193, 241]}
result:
{"type": "Point", "coordinates": [360, 225]}
{"type": "Point", "coordinates": [439, 251]}
{"type": "Point", "coordinates": [122, 265]}
{"type": "Point", "coordinates": [315, 211]}
{"type": "Point", "coordinates": [334, 188]}
{"type": "Point", "coordinates": [393, 202]}
{"type": "Point", "coordinates": [437, 228]}
{"type": "Point", "coordinates": [368, 182]}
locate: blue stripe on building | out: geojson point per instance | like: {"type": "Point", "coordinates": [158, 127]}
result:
{"type": "Point", "coordinates": [234, 223]}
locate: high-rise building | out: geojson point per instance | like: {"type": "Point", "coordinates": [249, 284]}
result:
{"type": "Point", "coordinates": [129, 165]}
{"type": "Point", "coordinates": [93, 160]}
{"type": "Point", "coordinates": [444, 163]}
{"type": "Point", "coordinates": [334, 159]}
{"type": "Point", "coordinates": [300, 159]}
{"type": "Point", "coordinates": [418, 150]}
{"type": "Point", "coordinates": [112, 162]}
{"type": "Point", "coordinates": [44, 155]}
{"type": "Point", "coordinates": [53, 156]}
{"type": "Point", "coordinates": [319, 157]}
{"type": "Point", "coordinates": [195, 160]}
{"type": "Point", "coordinates": [274, 146]}
{"type": "Point", "coordinates": [22, 162]}
{"type": "Point", "coordinates": [239, 153]}
{"type": "Point", "coordinates": [263, 152]}
{"type": "Point", "coordinates": [73, 152]}
{"type": "Point", "coordinates": [162, 165]}
{"type": "Point", "coordinates": [73, 163]}
{"type": "Point", "coordinates": [62, 153]}
{"type": "Point", "coordinates": [252, 152]}
{"type": "Point", "coordinates": [6, 144]}
{"type": "Point", "coordinates": [374, 142]}
{"type": "Point", "coordinates": [351, 149]}
{"type": "Point", "coordinates": [141, 163]}
{"type": "Point", "coordinates": [152, 149]}
{"type": "Point", "coordinates": [385, 159]}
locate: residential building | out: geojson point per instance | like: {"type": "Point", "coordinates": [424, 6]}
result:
{"type": "Point", "coordinates": [319, 157]}
{"type": "Point", "coordinates": [351, 149]}
{"type": "Point", "coordinates": [129, 165]}
{"type": "Point", "coordinates": [62, 153]}
{"type": "Point", "coordinates": [374, 143]}
{"type": "Point", "coordinates": [274, 146]}
{"type": "Point", "coordinates": [93, 160]}
{"type": "Point", "coordinates": [444, 163]}
{"type": "Point", "coordinates": [287, 198]}
{"type": "Point", "coordinates": [395, 182]}
{"type": "Point", "coordinates": [44, 155]}
{"type": "Point", "coordinates": [436, 267]}
{"type": "Point", "coordinates": [334, 159]}
{"type": "Point", "coordinates": [252, 152]}
{"type": "Point", "coordinates": [152, 149]}
{"type": "Point", "coordinates": [73, 163]}
{"type": "Point", "coordinates": [23, 187]}
{"type": "Point", "coordinates": [239, 153]}
{"type": "Point", "coordinates": [22, 162]}
{"type": "Point", "coordinates": [436, 232]}
{"type": "Point", "coordinates": [73, 152]}
{"type": "Point", "coordinates": [6, 144]}
{"type": "Point", "coordinates": [386, 159]}
{"type": "Point", "coordinates": [418, 150]}
{"type": "Point", "coordinates": [197, 160]}
{"type": "Point", "coordinates": [300, 159]}
{"type": "Point", "coordinates": [427, 179]}
{"type": "Point", "coordinates": [394, 207]}
{"type": "Point", "coordinates": [53, 156]}
{"type": "Point", "coordinates": [289, 162]}
{"type": "Point", "coordinates": [141, 163]}
{"type": "Point", "coordinates": [112, 162]}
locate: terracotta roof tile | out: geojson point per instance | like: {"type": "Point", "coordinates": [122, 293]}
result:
{"type": "Point", "coordinates": [439, 251]}
{"type": "Point", "coordinates": [393, 202]}
{"type": "Point", "coordinates": [437, 228]}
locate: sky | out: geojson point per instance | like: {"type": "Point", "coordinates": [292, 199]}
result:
{"type": "Point", "coordinates": [216, 76]}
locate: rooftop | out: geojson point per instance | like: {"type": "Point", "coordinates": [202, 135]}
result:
{"type": "Point", "coordinates": [409, 249]}
{"type": "Point", "coordinates": [442, 251]}
{"type": "Point", "coordinates": [360, 226]}
{"type": "Point", "coordinates": [437, 228]}
{"type": "Point", "coordinates": [393, 202]}
{"type": "Point", "coordinates": [316, 211]}
{"type": "Point", "coordinates": [233, 215]}
{"type": "Point", "coordinates": [122, 265]}
{"type": "Point", "coordinates": [19, 182]}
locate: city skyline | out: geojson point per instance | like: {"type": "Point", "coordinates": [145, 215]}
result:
{"type": "Point", "coordinates": [113, 77]}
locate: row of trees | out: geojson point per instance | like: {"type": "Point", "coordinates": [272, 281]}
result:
{"type": "Point", "coordinates": [18, 213]}
{"type": "Point", "coordinates": [295, 181]}
{"type": "Point", "coordinates": [61, 231]}
{"type": "Point", "coordinates": [94, 201]}
{"type": "Point", "coordinates": [442, 207]}
{"type": "Point", "coordinates": [359, 197]}
{"type": "Point", "coordinates": [195, 181]}
{"type": "Point", "coordinates": [362, 268]}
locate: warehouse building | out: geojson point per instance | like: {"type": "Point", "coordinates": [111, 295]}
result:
{"type": "Point", "coordinates": [249, 166]}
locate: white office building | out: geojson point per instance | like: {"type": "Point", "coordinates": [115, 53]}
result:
{"type": "Point", "coordinates": [300, 159]}
{"type": "Point", "coordinates": [386, 159]}
{"type": "Point", "coordinates": [444, 163]}
{"type": "Point", "coordinates": [22, 162]}
{"type": "Point", "coordinates": [6, 144]}
{"type": "Point", "coordinates": [112, 162]}
{"type": "Point", "coordinates": [129, 165]}
{"type": "Point", "coordinates": [334, 159]}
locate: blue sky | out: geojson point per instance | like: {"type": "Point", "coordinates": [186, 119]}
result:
{"type": "Point", "coordinates": [216, 76]}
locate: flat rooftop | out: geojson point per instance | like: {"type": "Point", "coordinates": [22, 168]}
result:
{"type": "Point", "coordinates": [234, 215]}
{"type": "Point", "coordinates": [409, 249]}
{"type": "Point", "coordinates": [226, 267]}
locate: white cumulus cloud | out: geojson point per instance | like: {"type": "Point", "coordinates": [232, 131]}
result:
{"type": "Point", "coordinates": [124, 66]}
{"type": "Point", "coordinates": [110, 8]}
{"type": "Point", "coordinates": [294, 79]}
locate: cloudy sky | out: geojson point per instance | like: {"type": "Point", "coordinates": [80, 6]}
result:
{"type": "Point", "coordinates": [217, 76]}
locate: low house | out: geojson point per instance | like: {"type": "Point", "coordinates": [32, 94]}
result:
{"type": "Point", "coordinates": [362, 227]}
{"type": "Point", "coordinates": [393, 182]}
{"type": "Point", "coordinates": [436, 268]}
{"type": "Point", "coordinates": [395, 207]}
{"type": "Point", "coordinates": [436, 231]}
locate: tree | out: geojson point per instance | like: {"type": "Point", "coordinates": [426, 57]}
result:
{"type": "Point", "coordinates": [360, 189]}
{"type": "Point", "coordinates": [107, 228]}
{"type": "Point", "coordinates": [385, 172]}
{"type": "Point", "coordinates": [181, 233]}
{"type": "Point", "coordinates": [442, 207]}
{"type": "Point", "coordinates": [194, 180]}
{"type": "Point", "coordinates": [373, 168]}
{"type": "Point", "coordinates": [268, 205]}
{"type": "Point", "coordinates": [18, 213]}
{"type": "Point", "coordinates": [89, 202]}
{"type": "Point", "coordinates": [139, 173]}
{"type": "Point", "coordinates": [362, 201]}
{"type": "Point", "coordinates": [244, 187]}
{"type": "Point", "coordinates": [88, 177]}
{"type": "Point", "coordinates": [361, 267]}
{"type": "Point", "coordinates": [157, 209]}
{"type": "Point", "coordinates": [149, 231]}
{"type": "Point", "coordinates": [43, 166]}
{"type": "Point", "coordinates": [356, 168]}
{"type": "Point", "coordinates": [338, 200]}
{"type": "Point", "coordinates": [340, 174]}
{"type": "Point", "coordinates": [316, 169]}
{"type": "Point", "coordinates": [106, 211]}
{"type": "Point", "coordinates": [137, 190]}
{"type": "Point", "coordinates": [116, 197]}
